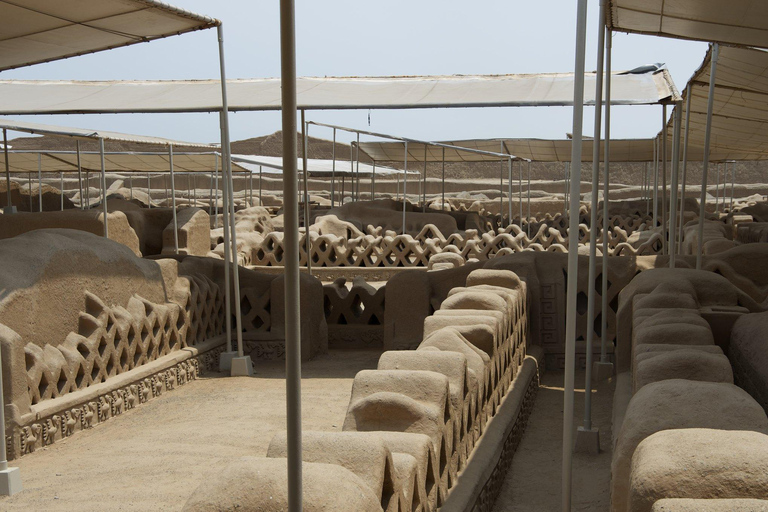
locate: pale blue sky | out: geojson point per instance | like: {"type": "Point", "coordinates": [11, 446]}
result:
{"type": "Point", "coordinates": [398, 37]}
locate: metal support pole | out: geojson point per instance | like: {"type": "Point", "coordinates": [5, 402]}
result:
{"type": "Point", "coordinates": [717, 188]}
{"type": "Point", "coordinates": [592, 272]}
{"type": "Point", "coordinates": [678, 121]}
{"type": "Point", "coordinates": [733, 181]}
{"type": "Point", "coordinates": [655, 182]}
{"type": "Point", "coordinates": [291, 244]}
{"type": "Point", "coordinates": [357, 168]}
{"type": "Point", "coordinates": [227, 258]}
{"type": "Point", "coordinates": [520, 192]}
{"type": "Point", "coordinates": [528, 216]}
{"type": "Point", "coordinates": [705, 167]}
{"type": "Point", "coordinates": [261, 197]}
{"type": "Point", "coordinates": [333, 171]}
{"type": "Point", "coordinates": [149, 192]}
{"type": "Point", "coordinates": [442, 207]}
{"type": "Point", "coordinates": [173, 202]}
{"type": "Point", "coordinates": [509, 192]}
{"type": "Point", "coordinates": [606, 193]}
{"type": "Point", "coordinates": [40, 182]}
{"type": "Point", "coordinates": [104, 188]}
{"type": "Point", "coordinates": [29, 186]}
{"type": "Point", "coordinates": [424, 189]}
{"type": "Point", "coordinates": [685, 167]}
{"type": "Point", "coordinates": [216, 197]}
{"type": "Point", "coordinates": [61, 189]}
{"type": "Point", "coordinates": [227, 175]}
{"type": "Point", "coordinates": [664, 226]}
{"type": "Point", "coordinates": [250, 187]}
{"type": "Point", "coordinates": [573, 255]}
{"type": "Point", "coordinates": [373, 181]}
{"type": "Point", "coordinates": [210, 201]}
{"type": "Point", "coordinates": [80, 176]}
{"type": "Point", "coordinates": [565, 194]}
{"type": "Point", "coordinates": [304, 146]}
{"type": "Point", "coordinates": [9, 201]}
{"type": "Point", "coordinates": [405, 181]}
{"type": "Point", "coordinates": [501, 195]}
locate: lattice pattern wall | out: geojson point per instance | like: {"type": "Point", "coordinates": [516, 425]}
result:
{"type": "Point", "coordinates": [113, 340]}
{"type": "Point", "coordinates": [376, 250]}
{"type": "Point", "coordinates": [362, 304]}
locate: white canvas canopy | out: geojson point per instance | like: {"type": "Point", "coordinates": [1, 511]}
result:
{"type": "Point", "coordinates": [650, 85]}
{"type": "Point", "coordinates": [316, 167]}
{"type": "Point", "coordinates": [66, 161]}
{"type": "Point", "coordinates": [739, 129]}
{"type": "Point", "coordinates": [38, 31]}
{"type": "Point", "coordinates": [739, 22]}
{"type": "Point", "coordinates": [89, 134]}
{"type": "Point", "coordinates": [537, 150]}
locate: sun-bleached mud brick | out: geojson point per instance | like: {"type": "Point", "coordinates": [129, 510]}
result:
{"type": "Point", "coordinates": [454, 366]}
{"type": "Point", "coordinates": [450, 340]}
{"type": "Point", "coordinates": [678, 404]}
{"type": "Point", "coordinates": [689, 364]}
{"type": "Point", "coordinates": [678, 333]}
{"type": "Point", "coordinates": [649, 317]}
{"type": "Point", "coordinates": [504, 278]}
{"type": "Point", "coordinates": [405, 401]}
{"type": "Point", "coordinates": [652, 348]}
{"type": "Point", "coordinates": [364, 455]}
{"type": "Point", "coordinates": [749, 355]}
{"type": "Point", "coordinates": [669, 300]}
{"type": "Point", "coordinates": [718, 505]}
{"type": "Point", "coordinates": [698, 463]}
{"type": "Point", "coordinates": [420, 447]}
{"type": "Point", "coordinates": [254, 484]}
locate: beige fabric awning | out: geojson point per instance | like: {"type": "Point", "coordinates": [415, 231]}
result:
{"type": "Point", "coordinates": [35, 31]}
{"type": "Point", "coordinates": [537, 150]}
{"type": "Point", "coordinates": [66, 161]}
{"type": "Point", "coordinates": [739, 22]}
{"type": "Point", "coordinates": [740, 113]}
{"type": "Point", "coordinates": [317, 167]}
{"type": "Point", "coordinates": [88, 134]}
{"type": "Point", "coordinates": [649, 86]}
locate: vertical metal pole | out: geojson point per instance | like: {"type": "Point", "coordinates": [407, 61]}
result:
{"type": "Point", "coordinates": [357, 168]}
{"type": "Point", "coordinates": [655, 182]}
{"type": "Point", "coordinates": [705, 167]}
{"type": "Point", "coordinates": [573, 254]}
{"type": "Point", "coordinates": [501, 194]}
{"type": "Point", "coordinates": [397, 187]}
{"type": "Point", "coordinates": [9, 203]}
{"type": "Point", "coordinates": [250, 186]}
{"type": "Point", "coordinates": [528, 216]}
{"type": "Point", "coordinates": [227, 174]}
{"type": "Point", "coordinates": [443, 181]}
{"type": "Point", "coordinates": [304, 147]}
{"type": "Point", "coordinates": [648, 166]}
{"type": "Point", "coordinates": [333, 171]}
{"type": "Point", "coordinates": [149, 192]}
{"type": "Point", "coordinates": [173, 202]}
{"type": "Point", "coordinates": [29, 186]}
{"type": "Point", "coordinates": [520, 192]}
{"type": "Point", "coordinates": [678, 121]}
{"type": "Point", "coordinates": [424, 190]}
{"type": "Point", "coordinates": [291, 242]}
{"type": "Point", "coordinates": [61, 189]}
{"type": "Point", "coordinates": [261, 197]}
{"type": "Point", "coordinates": [40, 181]}
{"type": "Point", "coordinates": [227, 254]}
{"type": "Point", "coordinates": [130, 185]}
{"type": "Point", "coordinates": [592, 271]}
{"type": "Point", "coordinates": [189, 189]}
{"type": "Point", "coordinates": [733, 181]}
{"type": "Point", "coordinates": [210, 200]}
{"type": "Point", "coordinates": [80, 175]}
{"type": "Point", "coordinates": [565, 194]}
{"type": "Point", "coordinates": [405, 182]}
{"type": "Point", "coordinates": [606, 192]}
{"type": "Point", "coordinates": [104, 188]}
{"type": "Point", "coordinates": [509, 192]}
{"type": "Point", "coordinates": [685, 167]}
{"type": "Point", "coordinates": [216, 196]}
{"type": "Point", "coordinates": [664, 226]}
{"type": "Point", "coordinates": [717, 188]}
{"type": "Point", "coordinates": [373, 182]}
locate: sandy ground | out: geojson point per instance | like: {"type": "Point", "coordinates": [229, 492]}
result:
{"type": "Point", "coordinates": [153, 457]}
{"type": "Point", "coordinates": [534, 481]}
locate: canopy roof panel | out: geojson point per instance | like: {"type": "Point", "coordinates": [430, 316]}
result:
{"type": "Point", "coordinates": [650, 85]}
{"type": "Point", "coordinates": [740, 107]}
{"type": "Point", "coordinates": [35, 31]}
{"type": "Point", "coordinates": [537, 150]}
{"type": "Point", "coordinates": [738, 22]}
{"type": "Point", "coordinates": [88, 134]}
{"type": "Point", "coordinates": [317, 167]}
{"type": "Point", "coordinates": [66, 161]}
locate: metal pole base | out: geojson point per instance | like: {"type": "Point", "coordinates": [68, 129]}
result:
{"type": "Point", "coordinates": [601, 371]}
{"type": "Point", "coordinates": [10, 481]}
{"type": "Point", "coordinates": [225, 361]}
{"type": "Point", "coordinates": [242, 367]}
{"type": "Point", "coordinates": [587, 441]}
{"type": "Point", "coordinates": [9, 210]}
